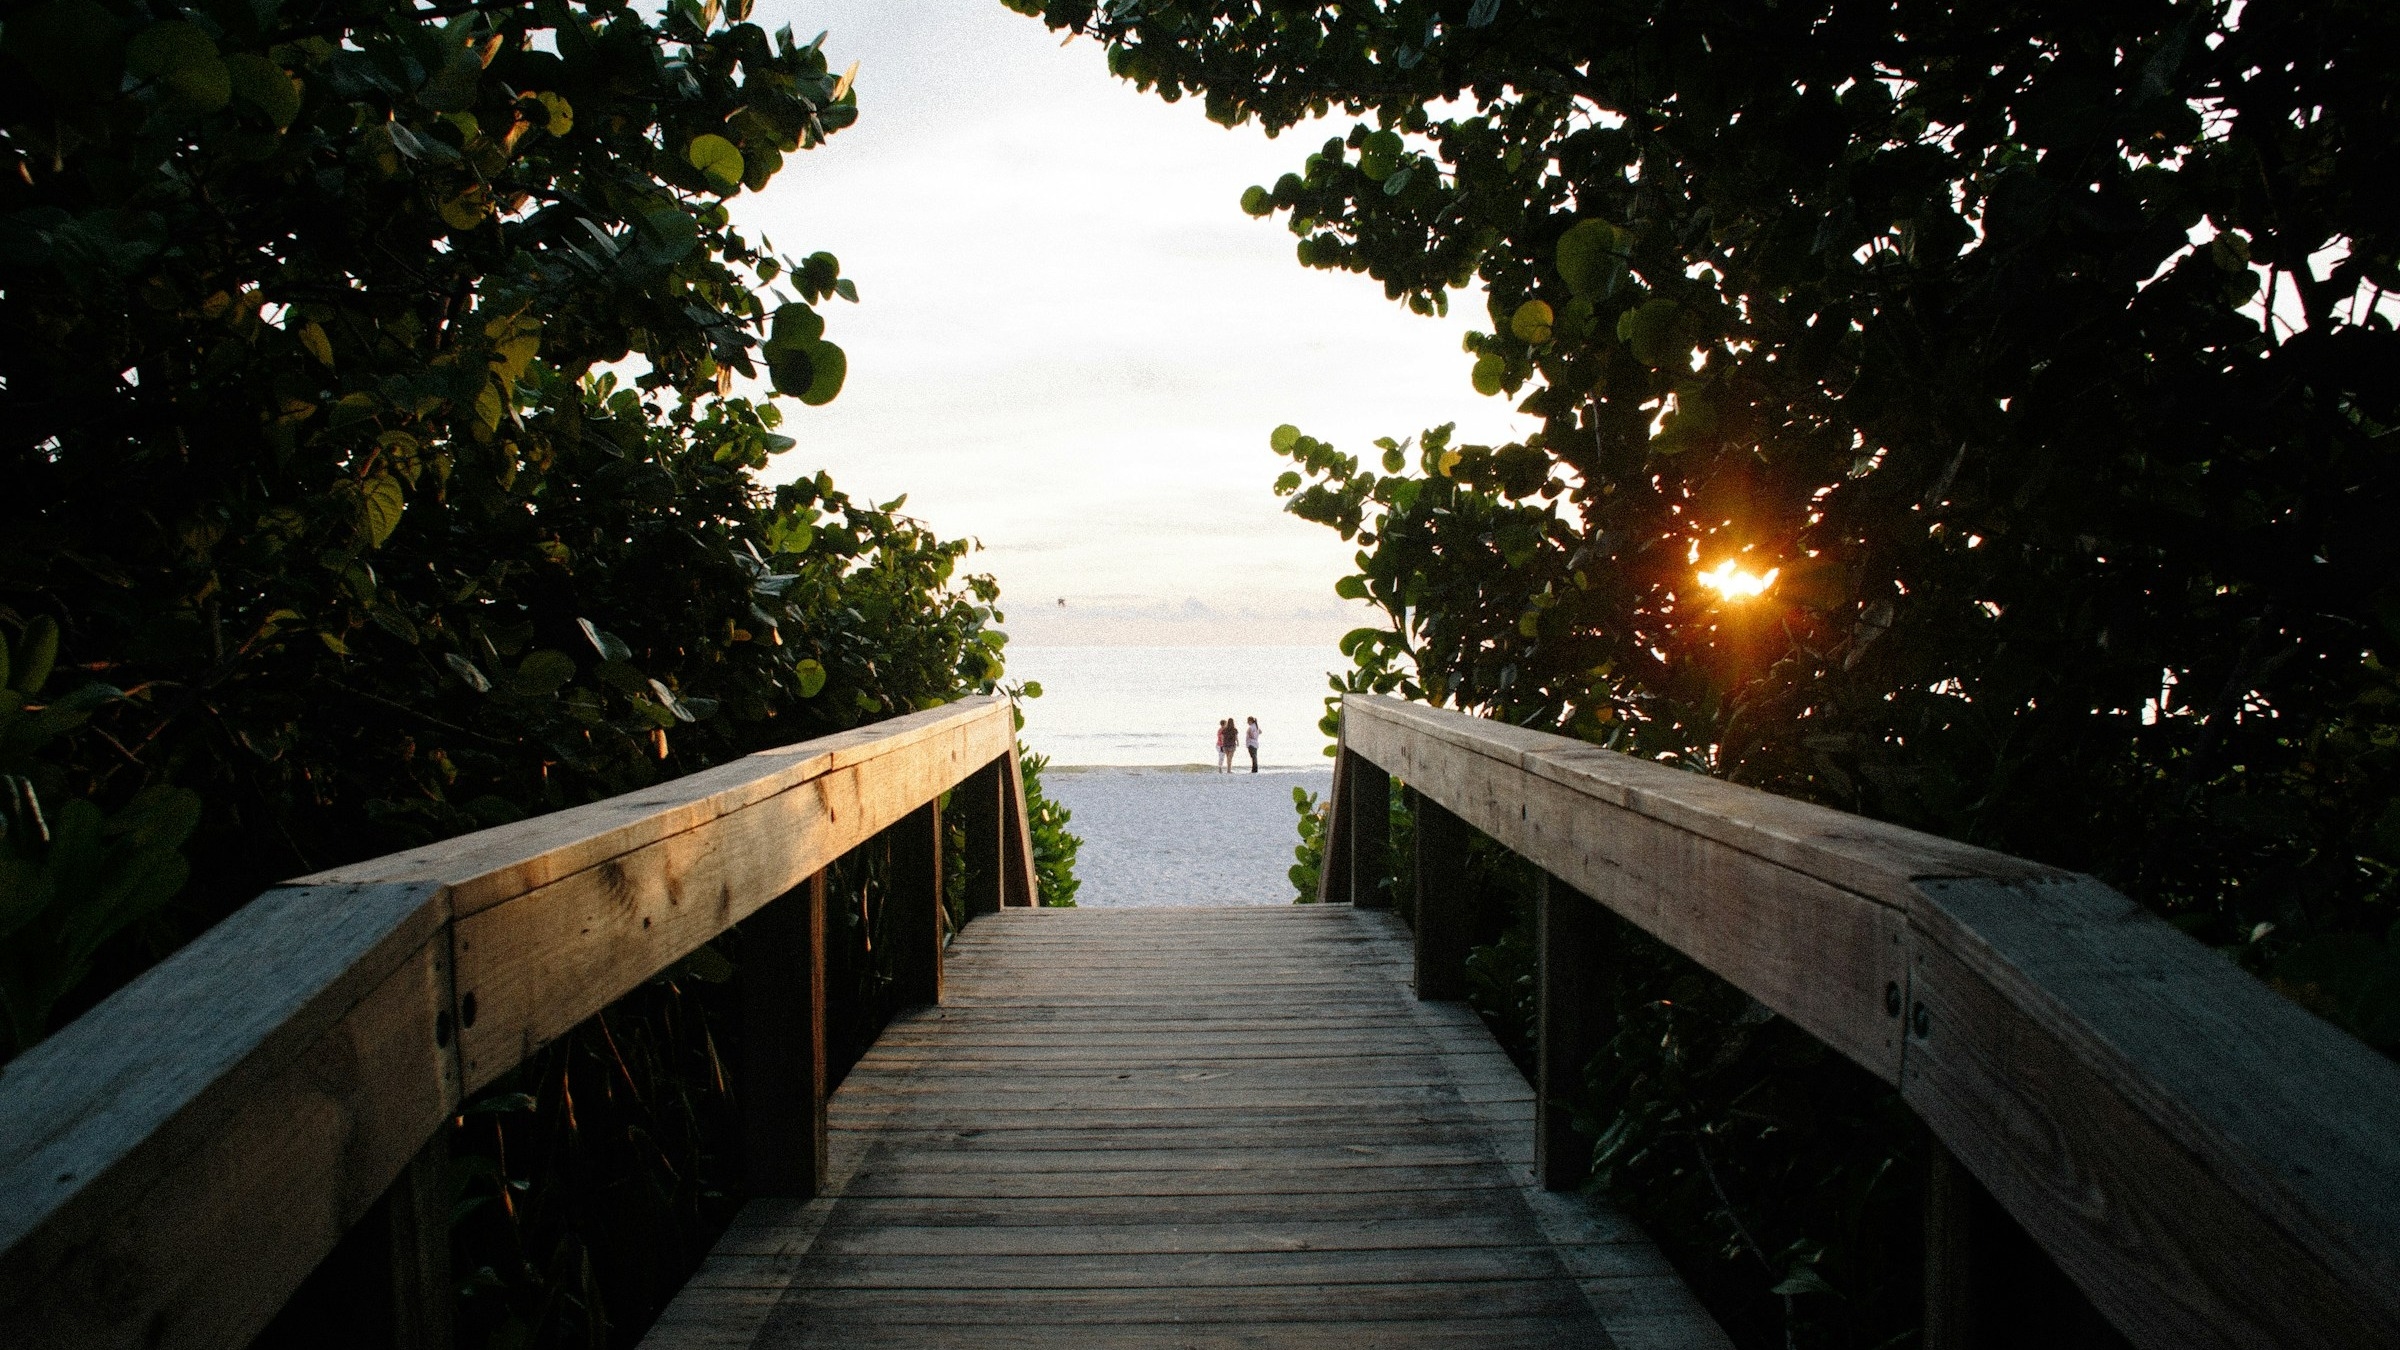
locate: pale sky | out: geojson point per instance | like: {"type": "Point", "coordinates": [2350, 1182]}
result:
{"type": "Point", "coordinates": [1072, 344]}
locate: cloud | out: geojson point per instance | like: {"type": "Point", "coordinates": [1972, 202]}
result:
{"type": "Point", "coordinates": [1072, 344]}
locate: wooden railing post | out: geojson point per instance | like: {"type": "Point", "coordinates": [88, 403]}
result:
{"type": "Point", "coordinates": [386, 1285]}
{"type": "Point", "coordinates": [1370, 797]}
{"type": "Point", "coordinates": [783, 1064]}
{"type": "Point", "coordinates": [1567, 1022]}
{"type": "Point", "coordinates": [982, 806]}
{"type": "Point", "coordinates": [1333, 875]}
{"type": "Point", "coordinates": [1018, 885]}
{"type": "Point", "coordinates": [1443, 900]}
{"type": "Point", "coordinates": [913, 910]}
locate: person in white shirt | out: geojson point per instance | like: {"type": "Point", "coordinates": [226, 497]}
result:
{"type": "Point", "coordinates": [1250, 738]}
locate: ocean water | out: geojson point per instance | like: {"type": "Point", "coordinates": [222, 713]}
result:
{"type": "Point", "coordinates": [1161, 705]}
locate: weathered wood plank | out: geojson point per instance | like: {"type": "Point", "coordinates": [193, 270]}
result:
{"type": "Point", "coordinates": [1816, 953]}
{"type": "Point", "coordinates": [2210, 1165]}
{"type": "Point", "coordinates": [1370, 835]}
{"type": "Point", "coordinates": [1169, 1174]}
{"type": "Point", "coordinates": [174, 1163]}
{"type": "Point", "coordinates": [140, 1145]}
{"type": "Point", "coordinates": [781, 1085]}
{"type": "Point", "coordinates": [913, 909]}
{"type": "Point", "coordinates": [552, 956]}
{"type": "Point", "coordinates": [1444, 901]}
{"type": "Point", "coordinates": [1020, 885]}
{"type": "Point", "coordinates": [1333, 874]}
{"type": "Point", "coordinates": [1568, 1017]}
{"type": "Point", "coordinates": [980, 805]}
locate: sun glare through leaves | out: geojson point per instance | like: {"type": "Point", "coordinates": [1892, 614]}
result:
{"type": "Point", "coordinates": [1731, 582]}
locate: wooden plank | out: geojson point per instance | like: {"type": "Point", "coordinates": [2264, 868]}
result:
{"type": "Point", "coordinates": [500, 865]}
{"type": "Point", "coordinates": [416, 1243]}
{"type": "Point", "coordinates": [913, 908]}
{"type": "Point", "coordinates": [1569, 1016]}
{"type": "Point", "coordinates": [1808, 949]}
{"type": "Point", "coordinates": [980, 805]}
{"type": "Point", "coordinates": [1020, 884]}
{"type": "Point", "coordinates": [174, 1163]}
{"type": "Point", "coordinates": [1444, 901]}
{"type": "Point", "coordinates": [1289, 1191]}
{"type": "Point", "coordinates": [1851, 852]}
{"type": "Point", "coordinates": [781, 1087]}
{"type": "Point", "coordinates": [1333, 873]}
{"type": "Point", "coordinates": [2211, 1165]}
{"type": "Point", "coordinates": [546, 960]}
{"type": "Point", "coordinates": [140, 1145]}
{"type": "Point", "coordinates": [1370, 835]}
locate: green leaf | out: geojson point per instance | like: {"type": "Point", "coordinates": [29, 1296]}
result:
{"type": "Point", "coordinates": [1379, 155]}
{"type": "Point", "coordinates": [830, 367]}
{"type": "Point", "coordinates": [1531, 323]}
{"type": "Point", "coordinates": [37, 652]}
{"type": "Point", "coordinates": [1351, 588]}
{"type": "Point", "coordinates": [381, 503]}
{"type": "Point", "coordinates": [609, 645]}
{"type": "Point", "coordinates": [720, 160]}
{"type": "Point", "coordinates": [811, 675]}
{"type": "Point", "coordinates": [263, 85]}
{"type": "Point", "coordinates": [465, 670]}
{"type": "Point", "coordinates": [1491, 370]}
{"type": "Point", "coordinates": [312, 337]}
{"type": "Point", "coordinates": [1257, 202]}
{"type": "Point", "coordinates": [1283, 438]}
{"type": "Point", "coordinates": [1591, 258]}
{"type": "Point", "coordinates": [184, 62]}
{"type": "Point", "coordinates": [545, 671]}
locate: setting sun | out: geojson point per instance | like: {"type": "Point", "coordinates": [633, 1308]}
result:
{"type": "Point", "coordinates": [1732, 583]}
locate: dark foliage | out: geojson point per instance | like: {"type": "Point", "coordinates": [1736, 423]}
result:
{"type": "Point", "coordinates": [2042, 356]}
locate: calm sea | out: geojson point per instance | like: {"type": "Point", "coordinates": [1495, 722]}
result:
{"type": "Point", "coordinates": [1161, 705]}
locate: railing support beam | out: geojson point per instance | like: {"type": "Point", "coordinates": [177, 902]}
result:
{"type": "Point", "coordinates": [1018, 885]}
{"type": "Point", "coordinates": [1568, 1022]}
{"type": "Point", "coordinates": [914, 917]}
{"type": "Point", "coordinates": [783, 1064]}
{"type": "Point", "coordinates": [1370, 834]}
{"type": "Point", "coordinates": [1333, 876]}
{"type": "Point", "coordinates": [982, 806]}
{"type": "Point", "coordinates": [1444, 901]}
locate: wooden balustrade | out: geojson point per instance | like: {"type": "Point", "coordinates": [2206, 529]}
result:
{"type": "Point", "coordinates": [2210, 1164]}
{"type": "Point", "coordinates": [177, 1161]}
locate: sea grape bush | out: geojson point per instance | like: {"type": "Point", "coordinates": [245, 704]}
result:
{"type": "Point", "coordinates": [2043, 355]}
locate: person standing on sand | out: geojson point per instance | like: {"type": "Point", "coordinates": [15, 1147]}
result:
{"type": "Point", "coordinates": [1227, 737]}
{"type": "Point", "coordinates": [1250, 738]}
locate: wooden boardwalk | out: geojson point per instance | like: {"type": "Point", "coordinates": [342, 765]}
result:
{"type": "Point", "coordinates": [1189, 1128]}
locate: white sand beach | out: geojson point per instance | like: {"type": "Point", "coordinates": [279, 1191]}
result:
{"type": "Point", "coordinates": [1183, 836]}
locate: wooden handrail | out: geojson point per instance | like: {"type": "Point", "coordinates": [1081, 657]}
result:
{"type": "Point", "coordinates": [177, 1160]}
{"type": "Point", "coordinates": [2211, 1165]}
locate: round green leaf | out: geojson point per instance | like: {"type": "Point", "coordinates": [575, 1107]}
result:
{"type": "Point", "coordinates": [545, 671]}
{"type": "Point", "coordinates": [1256, 202]}
{"type": "Point", "coordinates": [1283, 438]}
{"type": "Point", "coordinates": [1490, 370]}
{"type": "Point", "coordinates": [811, 675]}
{"type": "Point", "coordinates": [831, 367]}
{"type": "Point", "coordinates": [720, 160]}
{"type": "Point", "coordinates": [1654, 330]}
{"type": "Point", "coordinates": [184, 62]}
{"type": "Point", "coordinates": [1351, 588]}
{"type": "Point", "coordinates": [1531, 323]}
{"type": "Point", "coordinates": [1591, 258]}
{"type": "Point", "coordinates": [1380, 154]}
{"type": "Point", "coordinates": [263, 85]}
